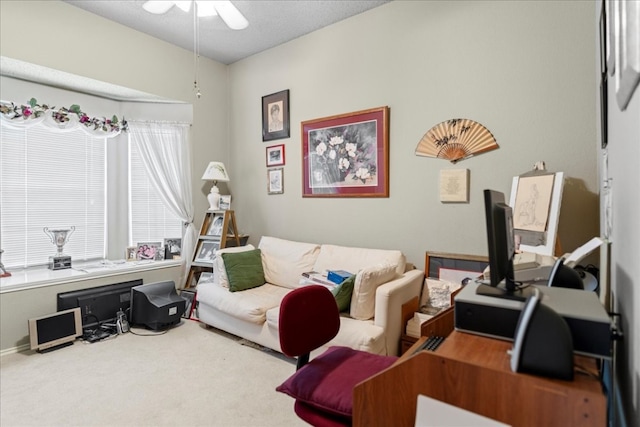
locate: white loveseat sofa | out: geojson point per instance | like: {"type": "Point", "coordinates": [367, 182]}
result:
{"type": "Point", "coordinates": [253, 313]}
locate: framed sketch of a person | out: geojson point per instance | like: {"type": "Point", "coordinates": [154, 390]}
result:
{"type": "Point", "coordinates": [275, 116]}
{"type": "Point", "coordinates": [215, 229]}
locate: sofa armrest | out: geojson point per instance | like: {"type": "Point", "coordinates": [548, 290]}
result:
{"type": "Point", "coordinates": [388, 309]}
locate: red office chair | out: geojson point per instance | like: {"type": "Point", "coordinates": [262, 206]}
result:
{"type": "Point", "coordinates": [322, 387]}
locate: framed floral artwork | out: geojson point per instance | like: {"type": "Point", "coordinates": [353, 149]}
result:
{"type": "Point", "coordinates": [346, 155]}
{"type": "Point", "coordinates": [275, 181]}
{"type": "Point", "coordinates": [275, 116]}
{"type": "Point", "coordinates": [275, 155]}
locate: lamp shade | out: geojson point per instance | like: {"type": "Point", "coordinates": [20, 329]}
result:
{"type": "Point", "coordinates": [216, 172]}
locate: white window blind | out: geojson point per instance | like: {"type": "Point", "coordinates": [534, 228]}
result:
{"type": "Point", "coordinates": [149, 220]}
{"type": "Point", "coordinates": [56, 180]}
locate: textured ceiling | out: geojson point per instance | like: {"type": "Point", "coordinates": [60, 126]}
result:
{"type": "Point", "coordinates": [271, 23]}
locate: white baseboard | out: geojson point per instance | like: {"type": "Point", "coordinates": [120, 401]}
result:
{"type": "Point", "coordinates": [6, 351]}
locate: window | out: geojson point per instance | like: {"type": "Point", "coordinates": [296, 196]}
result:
{"type": "Point", "coordinates": [149, 220]}
{"type": "Point", "coordinates": [56, 180]}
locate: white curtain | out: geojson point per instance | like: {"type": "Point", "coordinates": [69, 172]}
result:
{"type": "Point", "coordinates": [165, 152]}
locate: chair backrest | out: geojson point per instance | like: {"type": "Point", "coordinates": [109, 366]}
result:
{"type": "Point", "coordinates": [309, 318]}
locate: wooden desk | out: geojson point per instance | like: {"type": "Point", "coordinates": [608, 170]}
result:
{"type": "Point", "coordinates": [473, 373]}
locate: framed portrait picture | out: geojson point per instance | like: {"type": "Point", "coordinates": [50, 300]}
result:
{"type": "Point", "coordinates": [346, 155]}
{"type": "Point", "coordinates": [275, 181]}
{"type": "Point", "coordinates": [535, 200]}
{"type": "Point", "coordinates": [275, 155]}
{"type": "Point", "coordinates": [206, 277]}
{"type": "Point", "coordinates": [454, 268]}
{"type": "Point", "coordinates": [130, 254]}
{"type": "Point", "coordinates": [207, 251]}
{"type": "Point", "coordinates": [225, 202]}
{"type": "Point", "coordinates": [215, 228]}
{"type": "Point", "coordinates": [172, 248]}
{"type": "Point", "coordinates": [275, 116]}
{"type": "Point", "coordinates": [149, 251]}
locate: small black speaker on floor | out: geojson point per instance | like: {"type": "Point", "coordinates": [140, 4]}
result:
{"type": "Point", "coordinates": [542, 343]}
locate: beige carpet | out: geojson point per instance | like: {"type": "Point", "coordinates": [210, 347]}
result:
{"type": "Point", "coordinates": [190, 376]}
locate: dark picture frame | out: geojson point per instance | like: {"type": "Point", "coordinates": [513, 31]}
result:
{"type": "Point", "coordinates": [445, 266]}
{"type": "Point", "coordinates": [275, 155]}
{"type": "Point", "coordinates": [173, 248]}
{"type": "Point", "coordinates": [346, 155]}
{"type": "Point", "coordinates": [275, 116]}
{"type": "Point", "coordinates": [604, 86]}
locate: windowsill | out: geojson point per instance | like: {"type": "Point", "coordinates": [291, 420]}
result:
{"type": "Point", "coordinates": [42, 276]}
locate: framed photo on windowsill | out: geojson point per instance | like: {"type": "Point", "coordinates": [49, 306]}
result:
{"type": "Point", "coordinates": [275, 116]}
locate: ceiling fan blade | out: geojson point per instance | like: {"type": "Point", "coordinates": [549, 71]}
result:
{"type": "Point", "coordinates": [185, 5]}
{"type": "Point", "coordinates": [205, 8]}
{"type": "Point", "coordinates": [157, 7]}
{"type": "Point", "coordinates": [230, 15]}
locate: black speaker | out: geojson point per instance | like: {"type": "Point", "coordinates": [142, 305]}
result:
{"type": "Point", "coordinates": [563, 276]}
{"type": "Point", "coordinates": [542, 342]}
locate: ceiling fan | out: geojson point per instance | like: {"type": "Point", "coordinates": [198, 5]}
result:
{"type": "Point", "coordinates": [227, 11]}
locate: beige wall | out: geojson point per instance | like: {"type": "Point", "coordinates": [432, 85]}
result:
{"type": "Point", "coordinates": [522, 69]}
{"type": "Point", "coordinates": [56, 35]}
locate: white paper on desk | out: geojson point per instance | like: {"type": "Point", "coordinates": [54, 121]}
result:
{"type": "Point", "coordinates": [576, 256]}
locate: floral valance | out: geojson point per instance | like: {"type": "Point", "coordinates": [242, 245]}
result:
{"type": "Point", "coordinates": [62, 119]}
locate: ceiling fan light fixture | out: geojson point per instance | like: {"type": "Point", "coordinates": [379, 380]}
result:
{"type": "Point", "coordinates": [227, 11]}
{"type": "Point", "coordinates": [205, 9]}
{"type": "Point", "coordinates": [157, 7]}
{"type": "Point", "coordinates": [184, 5]}
{"type": "Point", "coordinates": [230, 15]}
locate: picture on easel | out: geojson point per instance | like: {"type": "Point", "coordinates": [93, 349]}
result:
{"type": "Point", "coordinates": [533, 199]}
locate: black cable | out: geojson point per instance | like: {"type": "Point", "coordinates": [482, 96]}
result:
{"type": "Point", "coordinates": [148, 335]}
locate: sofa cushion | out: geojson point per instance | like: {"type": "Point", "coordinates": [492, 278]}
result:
{"type": "Point", "coordinates": [364, 291]}
{"type": "Point", "coordinates": [250, 305]}
{"type": "Point", "coordinates": [244, 270]}
{"type": "Point", "coordinates": [219, 271]}
{"type": "Point", "coordinates": [343, 292]}
{"type": "Point", "coordinates": [332, 257]}
{"type": "Point", "coordinates": [284, 261]}
{"type": "Point", "coordinates": [327, 381]}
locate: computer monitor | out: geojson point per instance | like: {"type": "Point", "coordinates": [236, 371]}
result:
{"type": "Point", "coordinates": [501, 244]}
{"type": "Point", "coordinates": [156, 305]}
{"type": "Point", "coordinates": [98, 305]}
{"type": "Point", "coordinates": [55, 331]}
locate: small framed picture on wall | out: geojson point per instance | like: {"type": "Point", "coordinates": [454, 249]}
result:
{"type": "Point", "coordinates": [275, 155]}
{"type": "Point", "coordinates": [275, 116]}
{"type": "Point", "coordinates": [275, 181]}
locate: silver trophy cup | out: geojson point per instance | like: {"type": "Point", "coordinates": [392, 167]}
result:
{"type": "Point", "coordinates": [59, 237]}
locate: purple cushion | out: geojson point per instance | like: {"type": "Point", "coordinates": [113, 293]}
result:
{"type": "Point", "coordinates": [327, 381]}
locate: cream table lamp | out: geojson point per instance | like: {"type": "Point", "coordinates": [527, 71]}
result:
{"type": "Point", "coordinates": [215, 172]}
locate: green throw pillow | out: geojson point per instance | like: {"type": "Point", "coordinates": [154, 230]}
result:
{"type": "Point", "coordinates": [244, 269]}
{"type": "Point", "coordinates": [343, 292]}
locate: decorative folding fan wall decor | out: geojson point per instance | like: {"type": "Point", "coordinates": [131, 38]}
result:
{"type": "Point", "coordinates": [455, 140]}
